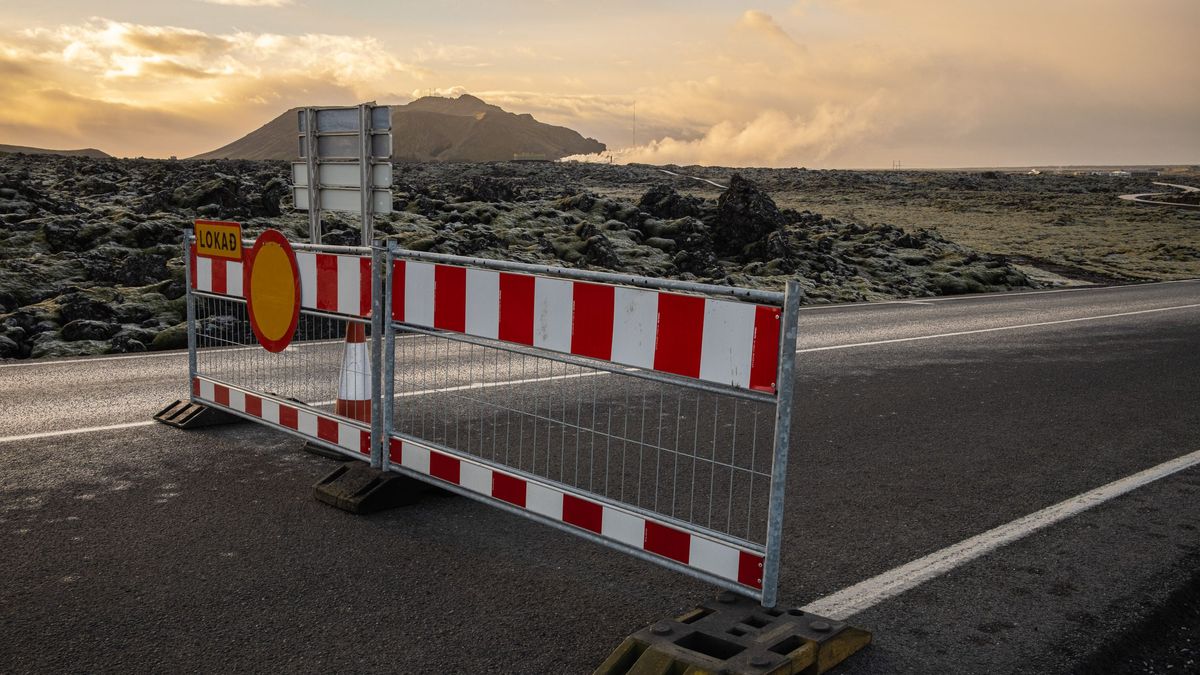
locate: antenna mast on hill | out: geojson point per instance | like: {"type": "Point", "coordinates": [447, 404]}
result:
{"type": "Point", "coordinates": [634, 124]}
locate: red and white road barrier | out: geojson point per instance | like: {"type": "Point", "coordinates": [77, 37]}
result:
{"type": "Point", "coordinates": [329, 282]}
{"type": "Point", "coordinates": [722, 341]}
{"type": "Point", "coordinates": [551, 502]}
{"type": "Point", "coordinates": [352, 437]}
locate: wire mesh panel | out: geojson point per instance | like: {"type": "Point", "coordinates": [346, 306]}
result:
{"type": "Point", "coordinates": [661, 447]}
{"type": "Point", "coordinates": [309, 371]}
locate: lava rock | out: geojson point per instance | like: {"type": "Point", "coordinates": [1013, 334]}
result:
{"type": "Point", "coordinates": [745, 216]}
{"type": "Point", "coordinates": [84, 329]}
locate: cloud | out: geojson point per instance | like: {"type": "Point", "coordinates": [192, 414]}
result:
{"type": "Point", "coordinates": [762, 24]}
{"type": "Point", "coordinates": [250, 3]}
{"type": "Point", "coordinates": [832, 83]}
{"type": "Point", "coordinates": [134, 89]}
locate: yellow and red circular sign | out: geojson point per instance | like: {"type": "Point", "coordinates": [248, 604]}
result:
{"type": "Point", "coordinates": [273, 290]}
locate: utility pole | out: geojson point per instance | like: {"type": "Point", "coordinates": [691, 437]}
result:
{"type": "Point", "coordinates": [634, 124]}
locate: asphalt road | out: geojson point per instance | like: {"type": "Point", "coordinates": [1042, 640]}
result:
{"type": "Point", "coordinates": [920, 425]}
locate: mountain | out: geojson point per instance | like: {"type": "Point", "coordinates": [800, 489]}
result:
{"type": "Point", "coordinates": [463, 129]}
{"type": "Point", "coordinates": [84, 152]}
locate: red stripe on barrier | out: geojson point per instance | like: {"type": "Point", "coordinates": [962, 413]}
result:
{"type": "Point", "coordinates": [750, 569]}
{"type": "Point", "coordinates": [450, 298]}
{"type": "Point", "coordinates": [195, 386]}
{"type": "Point", "coordinates": [592, 320]}
{"type": "Point", "coordinates": [398, 290]}
{"type": "Point", "coordinates": [582, 513]}
{"type": "Point", "coordinates": [327, 282]}
{"type": "Point", "coordinates": [364, 287]}
{"type": "Point", "coordinates": [327, 430]}
{"type": "Point", "coordinates": [680, 333]}
{"type": "Point", "coordinates": [289, 417]}
{"type": "Point", "coordinates": [516, 308]}
{"type": "Point", "coordinates": [364, 442]}
{"type": "Point", "coordinates": [219, 272]}
{"type": "Point", "coordinates": [668, 542]}
{"type": "Point", "coordinates": [509, 489]}
{"type": "Point", "coordinates": [396, 451]}
{"type": "Point", "coordinates": [445, 467]}
{"type": "Point", "coordinates": [253, 405]}
{"type": "Point", "coordinates": [221, 394]}
{"type": "Point", "coordinates": [764, 359]}
{"type": "Point", "coordinates": [192, 256]}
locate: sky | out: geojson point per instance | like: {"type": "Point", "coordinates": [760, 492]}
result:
{"type": "Point", "coordinates": [815, 83]}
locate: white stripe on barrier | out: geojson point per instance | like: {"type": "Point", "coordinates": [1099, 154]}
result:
{"type": "Point", "coordinates": [349, 437]}
{"type": "Point", "coordinates": [418, 293]}
{"type": "Point", "coordinates": [552, 303]}
{"type": "Point", "coordinates": [307, 264]}
{"type": "Point", "coordinates": [714, 558]}
{"type": "Point", "coordinates": [349, 285]}
{"type": "Point", "coordinates": [623, 527]}
{"type": "Point", "coordinates": [233, 278]}
{"type": "Point", "coordinates": [270, 411]}
{"type": "Point", "coordinates": [306, 423]}
{"type": "Point", "coordinates": [635, 320]}
{"type": "Point", "coordinates": [483, 303]}
{"type": "Point", "coordinates": [543, 500]}
{"type": "Point", "coordinates": [728, 342]}
{"type": "Point", "coordinates": [204, 274]}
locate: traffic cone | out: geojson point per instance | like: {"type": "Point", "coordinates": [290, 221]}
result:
{"type": "Point", "coordinates": [354, 389]}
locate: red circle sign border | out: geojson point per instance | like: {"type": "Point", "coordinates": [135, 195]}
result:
{"type": "Point", "coordinates": [273, 237]}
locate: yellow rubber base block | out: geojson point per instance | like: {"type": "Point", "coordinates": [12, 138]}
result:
{"type": "Point", "coordinates": [735, 635]}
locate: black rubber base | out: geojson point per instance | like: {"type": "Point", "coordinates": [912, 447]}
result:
{"type": "Point", "coordinates": [184, 414]}
{"type": "Point", "coordinates": [737, 635]}
{"type": "Point", "coordinates": [357, 488]}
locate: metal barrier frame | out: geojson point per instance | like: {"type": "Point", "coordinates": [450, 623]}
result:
{"type": "Point", "coordinates": [380, 440]}
{"type": "Point", "coordinates": [782, 399]}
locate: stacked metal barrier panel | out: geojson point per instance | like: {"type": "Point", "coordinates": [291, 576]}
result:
{"type": "Point", "coordinates": [650, 416]}
{"type": "Point", "coordinates": [647, 415]}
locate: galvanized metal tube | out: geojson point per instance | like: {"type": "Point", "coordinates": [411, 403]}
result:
{"type": "Point", "coordinates": [189, 303]}
{"type": "Point", "coordinates": [314, 176]}
{"type": "Point", "coordinates": [378, 440]}
{"type": "Point", "coordinates": [364, 173]}
{"type": "Point", "coordinates": [785, 383]}
{"type": "Point", "coordinates": [322, 248]}
{"type": "Point", "coordinates": [389, 359]}
{"type": "Point", "coordinates": [754, 295]}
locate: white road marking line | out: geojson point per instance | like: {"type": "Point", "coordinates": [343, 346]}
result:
{"type": "Point", "coordinates": [178, 353]}
{"type": "Point", "coordinates": [991, 296]}
{"type": "Point", "coordinates": [67, 432]}
{"type": "Point", "coordinates": [861, 596]}
{"type": "Point", "coordinates": [994, 329]}
{"type": "Point", "coordinates": [146, 423]}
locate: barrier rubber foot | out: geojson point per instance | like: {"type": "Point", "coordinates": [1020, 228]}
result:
{"type": "Point", "coordinates": [736, 635]}
{"type": "Point", "coordinates": [357, 488]}
{"type": "Point", "coordinates": [185, 414]}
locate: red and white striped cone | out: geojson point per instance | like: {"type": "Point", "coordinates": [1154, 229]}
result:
{"type": "Point", "coordinates": [354, 389]}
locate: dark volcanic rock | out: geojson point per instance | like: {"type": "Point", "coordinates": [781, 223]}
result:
{"type": "Point", "coordinates": [745, 216]}
{"type": "Point", "coordinates": [83, 329]}
{"type": "Point", "coordinates": [661, 201]}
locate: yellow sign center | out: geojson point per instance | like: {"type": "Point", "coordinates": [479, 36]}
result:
{"type": "Point", "coordinates": [273, 291]}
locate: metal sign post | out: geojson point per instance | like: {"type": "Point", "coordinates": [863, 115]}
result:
{"type": "Point", "coordinates": [346, 167]}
